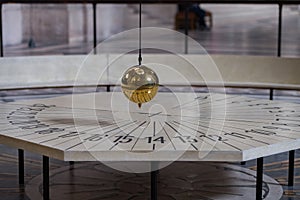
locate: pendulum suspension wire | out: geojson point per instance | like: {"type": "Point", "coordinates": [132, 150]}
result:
{"type": "Point", "coordinates": [140, 34]}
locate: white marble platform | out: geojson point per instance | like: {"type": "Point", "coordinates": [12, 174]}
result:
{"type": "Point", "coordinates": [174, 126]}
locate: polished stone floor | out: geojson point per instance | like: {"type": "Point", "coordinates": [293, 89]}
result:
{"type": "Point", "coordinates": [77, 183]}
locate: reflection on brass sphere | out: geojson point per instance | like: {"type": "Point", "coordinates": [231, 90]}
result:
{"type": "Point", "coordinates": [139, 84]}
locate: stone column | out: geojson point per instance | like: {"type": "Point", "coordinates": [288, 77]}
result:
{"type": "Point", "coordinates": [45, 23]}
{"type": "Point", "coordinates": [77, 23]}
{"type": "Point", "coordinates": [110, 20]}
{"type": "Point", "coordinates": [12, 24]}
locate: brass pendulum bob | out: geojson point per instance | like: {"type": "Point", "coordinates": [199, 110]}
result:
{"type": "Point", "coordinates": [139, 84]}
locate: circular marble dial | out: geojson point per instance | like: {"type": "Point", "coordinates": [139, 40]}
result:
{"type": "Point", "coordinates": [197, 127]}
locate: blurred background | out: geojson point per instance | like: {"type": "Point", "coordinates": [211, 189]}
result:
{"type": "Point", "coordinates": [35, 29]}
{"type": "Point", "coordinates": [69, 29]}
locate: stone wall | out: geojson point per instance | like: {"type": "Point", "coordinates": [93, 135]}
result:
{"type": "Point", "coordinates": [77, 23]}
{"type": "Point", "coordinates": [45, 24]}
{"type": "Point", "coordinates": [62, 24]}
{"type": "Point", "coordinates": [164, 12]}
{"type": "Point", "coordinates": [12, 24]}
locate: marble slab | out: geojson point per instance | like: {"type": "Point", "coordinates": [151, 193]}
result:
{"type": "Point", "coordinates": [174, 126]}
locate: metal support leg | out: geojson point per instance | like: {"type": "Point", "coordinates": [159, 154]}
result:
{"type": "Point", "coordinates": [154, 185]}
{"type": "Point", "coordinates": [154, 174]}
{"type": "Point", "coordinates": [259, 178]}
{"type": "Point", "coordinates": [21, 166]}
{"type": "Point", "coordinates": [71, 164]}
{"type": "Point", "coordinates": [291, 168]}
{"type": "Point", "coordinates": [108, 88]}
{"type": "Point", "coordinates": [271, 94]}
{"type": "Point", "coordinates": [279, 30]}
{"type": "Point", "coordinates": [95, 27]}
{"type": "Point", "coordinates": [46, 193]}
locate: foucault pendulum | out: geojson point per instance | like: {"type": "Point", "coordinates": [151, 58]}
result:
{"type": "Point", "coordinates": [139, 83]}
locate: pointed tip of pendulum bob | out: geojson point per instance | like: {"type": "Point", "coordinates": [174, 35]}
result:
{"type": "Point", "coordinates": [140, 105]}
